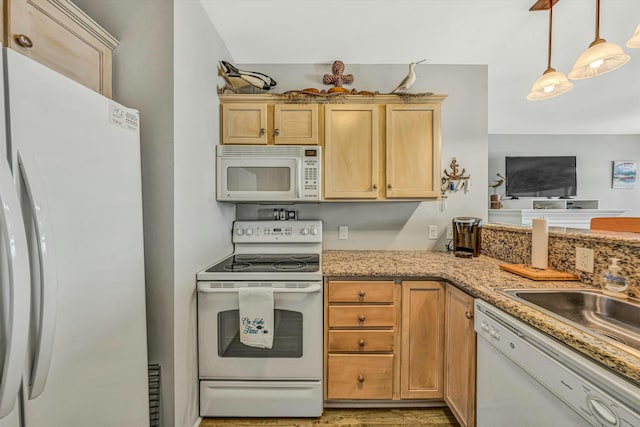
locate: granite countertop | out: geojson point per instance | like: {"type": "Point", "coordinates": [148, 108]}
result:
{"type": "Point", "coordinates": [481, 277]}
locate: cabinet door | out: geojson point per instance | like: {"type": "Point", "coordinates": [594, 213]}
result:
{"type": "Point", "coordinates": [421, 369]}
{"type": "Point", "coordinates": [64, 39]}
{"type": "Point", "coordinates": [295, 124]}
{"type": "Point", "coordinates": [351, 152]}
{"type": "Point", "coordinates": [413, 150]}
{"type": "Point", "coordinates": [244, 123]}
{"type": "Point", "coordinates": [460, 356]}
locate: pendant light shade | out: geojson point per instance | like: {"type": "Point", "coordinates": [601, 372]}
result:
{"type": "Point", "coordinates": [551, 83]}
{"type": "Point", "coordinates": [600, 58]}
{"type": "Point", "coordinates": [634, 41]}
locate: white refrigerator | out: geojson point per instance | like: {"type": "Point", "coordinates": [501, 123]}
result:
{"type": "Point", "coordinates": [73, 349]}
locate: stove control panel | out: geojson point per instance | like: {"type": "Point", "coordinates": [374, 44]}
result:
{"type": "Point", "coordinates": [277, 231]}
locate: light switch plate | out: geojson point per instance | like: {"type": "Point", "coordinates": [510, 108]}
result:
{"type": "Point", "coordinates": [343, 232]}
{"type": "Point", "coordinates": [433, 232]}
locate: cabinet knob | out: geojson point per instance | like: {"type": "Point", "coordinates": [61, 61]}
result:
{"type": "Point", "coordinates": [23, 41]}
{"type": "Point", "coordinates": [276, 132]}
{"type": "Point", "coordinates": [361, 318]}
{"type": "Point", "coordinates": [362, 293]}
{"type": "Point", "coordinates": [389, 186]}
{"type": "Point", "coordinates": [262, 131]}
{"type": "Point", "coordinates": [375, 186]}
{"type": "Point", "coordinates": [361, 343]}
{"type": "Point", "coordinates": [468, 315]}
{"type": "Point", "coordinates": [360, 379]}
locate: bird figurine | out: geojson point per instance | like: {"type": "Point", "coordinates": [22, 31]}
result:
{"type": "Point", "coordinates": [408, 81]}
{"type": "Point", "coordinates": [240, 78]}
{"type": "Point", "coordinates": [498, 182]}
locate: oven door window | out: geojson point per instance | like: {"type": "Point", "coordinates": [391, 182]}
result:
{"type": "Point", "coordinates": [287, 337]}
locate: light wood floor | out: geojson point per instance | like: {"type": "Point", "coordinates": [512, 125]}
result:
{"type": "Point", "coordinates": [440, 417]}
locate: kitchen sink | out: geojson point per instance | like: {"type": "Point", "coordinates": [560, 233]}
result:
{"type": "Point", "coordinates": [613, 319]}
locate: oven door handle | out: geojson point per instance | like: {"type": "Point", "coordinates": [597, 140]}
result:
{"type": "Point", "coordinates": [206, 288]}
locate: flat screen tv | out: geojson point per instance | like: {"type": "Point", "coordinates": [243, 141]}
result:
{"type": "Point", "coordinates": [543, 176]}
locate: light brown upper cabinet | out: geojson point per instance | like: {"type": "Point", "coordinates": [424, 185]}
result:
{"type": "Point", "coordinates": [262, 123]}
{"type": "Point", "coordinates": [412, 150]}
{"type": "Point", "coordinates": [351, 146]}
{"type": "Point", "coordinates": [62, 37]}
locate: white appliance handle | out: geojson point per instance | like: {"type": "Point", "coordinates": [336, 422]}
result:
{"type": "Point", "coordinates": [19, 292]}
{"type": "Point", "coordinates": [48, 274]}
{"type": "Point", "coordinates": [204, 287]}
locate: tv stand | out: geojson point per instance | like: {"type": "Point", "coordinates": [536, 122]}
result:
{"type": "Point", "coordinates": [571, 213]}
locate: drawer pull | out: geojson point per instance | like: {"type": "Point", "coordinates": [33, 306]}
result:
{"type": "Point", "coordinates": [23, 41]}
{"type": "Point", "coordinates": [362, 293]}
{"type": "Point", "coordinates": [361, 318]}
{"type": "Point", "coordinates": [360, 379]}
{"type": "Point", "coordinates": [468, 315]}
{"type": "Point", "coordinates": [262, 131]}
{"type": "Point", "coordinates": [276, 132]}
{"type": "Point", "coordinates": [375, 186]}
{"type": "Point", "coordinates": [389, 186]}
{"type": "Point", "coordinates": [361, 343]}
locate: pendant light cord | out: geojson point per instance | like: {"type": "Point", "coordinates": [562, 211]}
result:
{"type": "Point", "coordinates": [550, 32]}
{"type": "Point", "coordinates": [597, 19]}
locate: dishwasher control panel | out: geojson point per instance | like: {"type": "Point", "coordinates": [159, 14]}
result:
{"type": "Point", "coordinates": [599, 396]}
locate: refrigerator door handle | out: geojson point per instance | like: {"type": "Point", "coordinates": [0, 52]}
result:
{"type": "Point", "coordinates": [46, 317]}
{"type": "Point", "coordinates": [15, 241]}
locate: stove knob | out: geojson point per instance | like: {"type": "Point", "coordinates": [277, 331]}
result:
{"type": "Point", "coordinates": [248, 231]}
{"type": "Point", "coordinates": [304, 231]}
{"type": "Point", "coordinates": [239, 231]}
{"type": "Point", "coordinates": [314, 231]}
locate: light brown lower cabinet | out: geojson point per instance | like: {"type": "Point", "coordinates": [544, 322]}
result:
{"type": "Point", "coordinates": [460, 354]}
{"type": "Point", "coordinates": [422, 348]}
{"type": "Point", "coordinates": [384, 340]}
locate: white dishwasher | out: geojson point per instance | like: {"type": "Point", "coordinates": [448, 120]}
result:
{"type": "Point", "coordinates": [526, 378]}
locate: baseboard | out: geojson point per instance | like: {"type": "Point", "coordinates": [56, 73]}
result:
{"type": "Point", "coordinates": [384, 404]}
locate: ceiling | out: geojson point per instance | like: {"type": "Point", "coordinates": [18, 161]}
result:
{"type": "Point", "coordinates": [500, 33]}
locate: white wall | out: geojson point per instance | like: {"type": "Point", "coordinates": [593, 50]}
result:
{"type": "Point", "coordinates": [165, 66]}
{"type": "Point", "coordinates": [402, 225]}
{"type": "Point", "coordinates": [202, 225]}
{"type": "Point", "coordinates": [594, 157]}
{"type": "Point", "coordinates": [143, 79]}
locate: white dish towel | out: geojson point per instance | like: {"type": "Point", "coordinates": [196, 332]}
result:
{"type": "Point", "coordinates": [256, 316]}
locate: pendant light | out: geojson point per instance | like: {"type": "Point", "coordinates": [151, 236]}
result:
{"type": "Point", "coordinates": [600, 58]}
{"type": "Point", "coordinates": [551, 83]}
{"type": "Point", "coordinates": [634, 41]}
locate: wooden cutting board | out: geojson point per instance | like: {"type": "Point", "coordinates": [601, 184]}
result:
{"type": "Point", "coordinates": [537, 273]}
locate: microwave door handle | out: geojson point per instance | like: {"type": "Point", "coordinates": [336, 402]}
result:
{"type": "Point", "coordinates": [207, 289]}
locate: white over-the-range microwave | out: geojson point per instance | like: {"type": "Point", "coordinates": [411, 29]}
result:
{"type": "Point", "coordinates": [268, 173]}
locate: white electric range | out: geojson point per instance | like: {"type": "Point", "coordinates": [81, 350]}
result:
{"type": "Point", "coordinates": [286, 380]}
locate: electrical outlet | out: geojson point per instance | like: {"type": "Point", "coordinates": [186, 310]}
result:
{"type": "Point", "coordinates": [584, 259]}
{"type": "Point", "coordinates": [433, 232]}
{"type": "Point", "coordinates": [343, 232]}
{"type": "Point", "coordinates": [449, 231]}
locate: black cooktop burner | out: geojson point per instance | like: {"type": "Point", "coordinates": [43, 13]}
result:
{"type": "Point", "coordinates": [265, 263]}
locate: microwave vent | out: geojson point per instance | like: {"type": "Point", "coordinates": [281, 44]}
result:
{"type": "Point", "coordinates": [261, 151]}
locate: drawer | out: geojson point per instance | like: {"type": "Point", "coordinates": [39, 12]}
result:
{"type": "Point", "coordinates": [361, 291]}
{"type": "Point", "coordinates": [365, 316]}
{"type": "Point", "coordinates": [360, 377]}
{"type": "Point", "coordinates": [361, 341]}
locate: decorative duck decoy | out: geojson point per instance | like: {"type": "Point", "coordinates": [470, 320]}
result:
{"type": "Point", "coordinates": [239, 78]}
